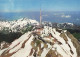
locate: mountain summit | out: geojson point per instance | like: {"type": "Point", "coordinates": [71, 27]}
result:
{"type": "Point", "coordinates": [43, 42]}
{"type": "Point", "coordinates": [17, 25]}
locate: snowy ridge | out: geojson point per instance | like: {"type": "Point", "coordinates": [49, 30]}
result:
{"type": "Point", "coordinates": [61, 48]}
{"type": "Point", "coordinates": [17, 24]}
{"type": "Point", "coordinates": [44, 42]}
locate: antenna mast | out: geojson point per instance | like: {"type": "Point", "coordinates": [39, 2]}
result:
{"type": "Point", "coordinates": [40, 17]}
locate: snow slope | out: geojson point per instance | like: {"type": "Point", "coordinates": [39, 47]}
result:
{"type": "Point", "coordinates": [49, 42]}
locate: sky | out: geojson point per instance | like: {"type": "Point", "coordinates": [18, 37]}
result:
{"type": "Point", "coordinates": [35, 5]}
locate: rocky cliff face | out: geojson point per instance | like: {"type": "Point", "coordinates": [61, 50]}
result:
{"type": "Point", "coordinates": [43, 42]}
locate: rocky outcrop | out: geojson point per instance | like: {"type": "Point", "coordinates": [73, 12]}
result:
{"type": "Point", "coordinates": [4, 45]}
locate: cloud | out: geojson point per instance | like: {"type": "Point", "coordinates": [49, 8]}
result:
{"type": "Point", "coordinates": [77, 19]}
{"type": "Point", "coordinates": [58, 14]}
{"type": "Point", "coordinates": [65, 16]}
{"type": "Point", "coordinates": [45, 15]}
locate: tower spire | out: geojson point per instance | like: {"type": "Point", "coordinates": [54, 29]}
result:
{"type": "Point", "coordinates": [40, 17]}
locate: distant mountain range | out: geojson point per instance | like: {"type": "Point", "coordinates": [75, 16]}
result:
{"type": "Point", "coordinates": [17, 25]}
{"type": "Point", "coordinates": [23, 23]}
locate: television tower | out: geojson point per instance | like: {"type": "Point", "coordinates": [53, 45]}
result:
{"type": "Point", "coordinates": [40, 17]}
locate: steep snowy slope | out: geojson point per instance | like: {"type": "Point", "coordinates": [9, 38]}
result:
{"type": "Point", "coordinates": [43, 42]}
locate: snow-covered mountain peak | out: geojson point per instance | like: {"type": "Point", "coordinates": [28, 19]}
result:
{"type": "Point", "coordinates": [43, 42]}
{"type": "Point", "coordinates": [17, 24]}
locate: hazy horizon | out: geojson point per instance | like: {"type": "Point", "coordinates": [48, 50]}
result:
{"type": "Point", "coordinates": [56, 16]}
